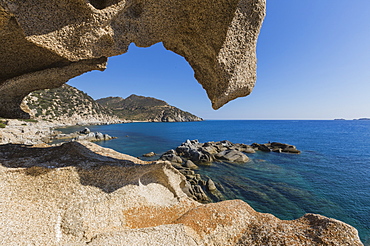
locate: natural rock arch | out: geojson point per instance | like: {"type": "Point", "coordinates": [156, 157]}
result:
{"type": "Point", "coordinates": [45, 43]}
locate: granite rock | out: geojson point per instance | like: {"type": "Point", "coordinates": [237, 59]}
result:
{"type": "Point", "coordinates": [46, 43]}
{"type": "Point", "coordinates": [232, 155]}
{"type": "Point", "coordinates": [83, 194]}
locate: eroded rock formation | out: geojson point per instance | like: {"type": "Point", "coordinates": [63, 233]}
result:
{"type": "Point", "coordinates": [45, 43]}
{"type": "Point", "coordinates": [80, 193]}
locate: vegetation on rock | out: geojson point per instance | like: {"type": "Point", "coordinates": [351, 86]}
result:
{"type": "Point", "coordinates": [142, 108]}
{"type": "Point", "coordinates": [2, 123]}
{"type": "Point", "coordinates": [65, 102]}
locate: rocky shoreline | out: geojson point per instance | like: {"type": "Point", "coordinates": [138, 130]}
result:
{"type": "Point", "coordinates": [87, 194]}
{"type": "Point", "coordinates": [83, 135]}
{"type": "Point", "coordinates": [80, 193]}
{"type": "Point", "coordinates": [33, 132]}
{"type": "Point", "coordinates": [186, 158]}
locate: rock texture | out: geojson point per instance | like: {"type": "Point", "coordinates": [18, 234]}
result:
{"type": "Point", "coordinates": [38, 132]}
{"type": "Point", "coordinates": [276, 147]}
{"type": "Point", "coordinates": [83, 194]}
{"type": "Point", "coordinates": [83, 135]}
{"type": "Point", "coordinates": [190, 151]}
{"type": "Point", "coordinates": [23, 132]}
{"type": "Point", "coordinates": [68, 105]}
{"type": "Point", "coordinates": [45, 43]}
{"type": "Point", "coordinates": [140, 108]}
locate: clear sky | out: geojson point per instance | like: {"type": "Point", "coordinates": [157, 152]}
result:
{"type": "Point", "coordinates": [313, 63]}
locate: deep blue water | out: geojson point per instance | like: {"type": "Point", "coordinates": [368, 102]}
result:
{"type": "Point", "coordinates": [331, 176]}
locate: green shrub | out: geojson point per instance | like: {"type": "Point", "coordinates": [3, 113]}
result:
{"type": "Point", "coordinates": [29, 120]}
{"type": "Point", "coordinates": [2, 125]}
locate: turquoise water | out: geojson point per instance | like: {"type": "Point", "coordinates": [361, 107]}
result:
{"type": "Point", "coordinates": [331, 176]}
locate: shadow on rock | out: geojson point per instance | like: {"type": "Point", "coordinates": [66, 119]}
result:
{"type": "Point", "coordinates": [94, 169]}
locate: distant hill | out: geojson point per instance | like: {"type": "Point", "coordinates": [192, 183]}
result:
{"type": "Point", "coordinates": [68, 105]}
{"type": "Point", "coordinates": [142, 108]}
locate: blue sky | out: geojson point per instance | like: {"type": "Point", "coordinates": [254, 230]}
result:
{"type": "Point", "coordinates": [313, 63]}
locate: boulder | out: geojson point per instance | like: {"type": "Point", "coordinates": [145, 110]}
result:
{"type": "Point", "coordinates": [150, 154]}
{"type": "Point", "coordinates": [277, 150]}
{"type": "Point", "coordinates": [210, 148]}
{"type": "Point", "coordinates": [211, 185]}
{"type": "Point", "coordinates": [171, 156]}
{"type": "Point", "coordinates": [199, 193]}
{"type": "Point", "coordinates": [190, 164]}
{"type": "Point", "coordinates": [285, 147]}
{"type": "Point", "coordinates": [244, 148]}
{"type": "Point", "coordinates": [85, 131]}
{"type": "Point", "coordinates": [107, 137]}
{"type": "Point", "coordinates": [99, 136]}
{"type": "Point", "coordinates": [193, 150]}
{"type": "Point", "coordinates": [232, 156]}
{"type": "Point", "coordinates": [261, 147]}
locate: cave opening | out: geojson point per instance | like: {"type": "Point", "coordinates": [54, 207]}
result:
{"type": "Point", "coordinates": [151, 72]}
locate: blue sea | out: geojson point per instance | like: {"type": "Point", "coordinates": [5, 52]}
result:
{"type": "Point", "coordinates": [330, 177]}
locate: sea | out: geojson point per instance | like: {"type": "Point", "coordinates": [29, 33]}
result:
{"type": "Point", "coordinates": [330, 177]}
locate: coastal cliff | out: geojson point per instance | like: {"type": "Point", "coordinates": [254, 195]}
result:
{"type": "Point", "coordinates": [140, 108]}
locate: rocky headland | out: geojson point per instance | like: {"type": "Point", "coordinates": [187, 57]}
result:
{"type": "Point", "coordinates": [68, 106]}
{"type": "Point", "coordinates": [140, 108]}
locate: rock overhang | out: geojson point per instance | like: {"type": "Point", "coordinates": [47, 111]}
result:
{"type": "Point", "coordinates": [46, 43]}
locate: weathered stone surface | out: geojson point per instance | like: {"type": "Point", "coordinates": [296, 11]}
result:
{"type": "Point", "coordinates": [150, 154]}
{"type": "Point", "coordinates": [45, 43]}
{"type": "Point", "coordinates": [193, 150]}
{"type": "Point", "coordinates": [83, 194]}
{"type": "Point", "coordinates": [85, 131]}
{"type": "Point", "coordinates": [190, 164]}
{"type": "Point", "coordinates": [261, 147]}
{"type": "Point", "coordinates": [285, 147]}
{"type": "Point", "coordinates": [211, 185]}
{"type": "Point", "coordinates": [276, 147]}
{"type": "Point", "coordinates": [232, 155]}
{"type": "Point", "coordinates": [171, 156]}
